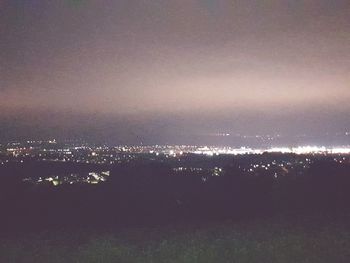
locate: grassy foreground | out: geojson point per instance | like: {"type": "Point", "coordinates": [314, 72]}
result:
{"type": "Point", "coordinates": [255, 241]}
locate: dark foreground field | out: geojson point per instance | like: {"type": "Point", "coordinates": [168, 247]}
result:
{"type": "Point", "coordinates": [282, 239]}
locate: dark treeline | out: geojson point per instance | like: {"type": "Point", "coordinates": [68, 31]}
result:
{"type": "Point", "coordinates": [138, 194]}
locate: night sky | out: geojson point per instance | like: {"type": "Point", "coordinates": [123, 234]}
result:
{"type": "Point", "coordinates": [174, 71]}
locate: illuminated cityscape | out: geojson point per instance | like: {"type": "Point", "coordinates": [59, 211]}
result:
{"type": "Point", "coordinates": [183, 159]}
{"type": "Point", "coordinates": [182, 131]}
{"type": "Point", "coordinates": [53, 150]}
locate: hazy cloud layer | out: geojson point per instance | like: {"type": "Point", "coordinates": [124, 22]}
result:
{"type": "Point", "coordinates": [224, 61]}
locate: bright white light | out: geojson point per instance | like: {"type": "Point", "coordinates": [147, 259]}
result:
{"type": "Point", "coordinates": [309, 149]}
{"type": "Point", "coordinates": [340, 150]}
{"type": "Point", "coordinates": [280, 150]}
{"type": "Point", "coordinates": [296, 150]}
